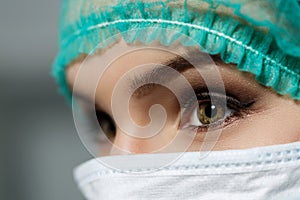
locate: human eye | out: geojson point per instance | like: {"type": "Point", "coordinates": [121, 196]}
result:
{"type": "Point", "coordinates": [210, 111]}
{"type": "Point", "coordinates": [95, 117]}
{"type": "Point", "coordinates": [107, 124]}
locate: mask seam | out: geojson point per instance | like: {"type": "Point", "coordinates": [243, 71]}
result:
{"type": "Point", "coordinates": [231, 165]}
{"type": "Point", "coordinates": [97, 174]}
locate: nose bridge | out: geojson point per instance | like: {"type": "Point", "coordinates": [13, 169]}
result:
{"type": "Point", "coordinates": [158, 142]}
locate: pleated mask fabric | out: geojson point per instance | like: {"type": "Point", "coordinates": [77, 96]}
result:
{"type": "Point", "coordinates": [260, 173]}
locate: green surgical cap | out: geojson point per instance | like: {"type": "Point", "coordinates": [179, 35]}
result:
{"type": "Point", "coordinates": [259, 36]}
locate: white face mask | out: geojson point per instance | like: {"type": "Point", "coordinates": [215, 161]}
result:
{"type": "Point", "coordinates": [261, 173]}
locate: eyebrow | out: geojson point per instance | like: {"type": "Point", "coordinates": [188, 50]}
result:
{"type": "Point", "coordinates": [178, 63]}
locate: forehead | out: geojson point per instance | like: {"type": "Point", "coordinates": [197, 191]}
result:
{"type": "Point", "coordinates": [85, 76]}
{"type": "Point", "coordinates": [98, 74]}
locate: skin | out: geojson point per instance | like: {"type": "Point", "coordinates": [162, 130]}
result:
{"type": "Point", "coordinates": [271, 119]}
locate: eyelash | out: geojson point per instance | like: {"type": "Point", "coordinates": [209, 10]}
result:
{"type": "Point", "coordinates": [239, 110]}
{"type": "Point", "coordinates": [107, 124]}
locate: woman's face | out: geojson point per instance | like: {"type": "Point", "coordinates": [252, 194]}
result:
{"type": "Point", "coordinates": [255, 115]}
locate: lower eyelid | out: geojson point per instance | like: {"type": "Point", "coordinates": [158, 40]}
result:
{"type": "Point", "coordinates": [240, 114]}
{"type": "Point", "coordinates": [222, 124]}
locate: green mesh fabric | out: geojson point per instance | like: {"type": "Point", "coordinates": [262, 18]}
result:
{"type": "Point", "coordinates": [261, 37]}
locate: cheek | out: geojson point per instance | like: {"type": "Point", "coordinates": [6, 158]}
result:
{"type": "Point", "coordinates": [284, 119]}
{"type": "Point", "coordinates": [276, 125]}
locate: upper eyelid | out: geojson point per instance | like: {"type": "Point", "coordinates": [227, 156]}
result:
{"type": "Point", "coordinates": [241, 110]}
{"type": "Point", "coordinates": [227, 97]}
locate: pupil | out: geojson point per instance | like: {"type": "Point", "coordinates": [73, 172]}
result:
{"type": "Point", "coordinates": [211, 110]}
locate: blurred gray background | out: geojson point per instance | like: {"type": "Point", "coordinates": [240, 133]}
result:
{"type": "Point", "coordinates": [39, 146]}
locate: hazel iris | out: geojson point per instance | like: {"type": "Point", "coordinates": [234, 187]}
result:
{"type": "Point", "coordinates": [209, 112]}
